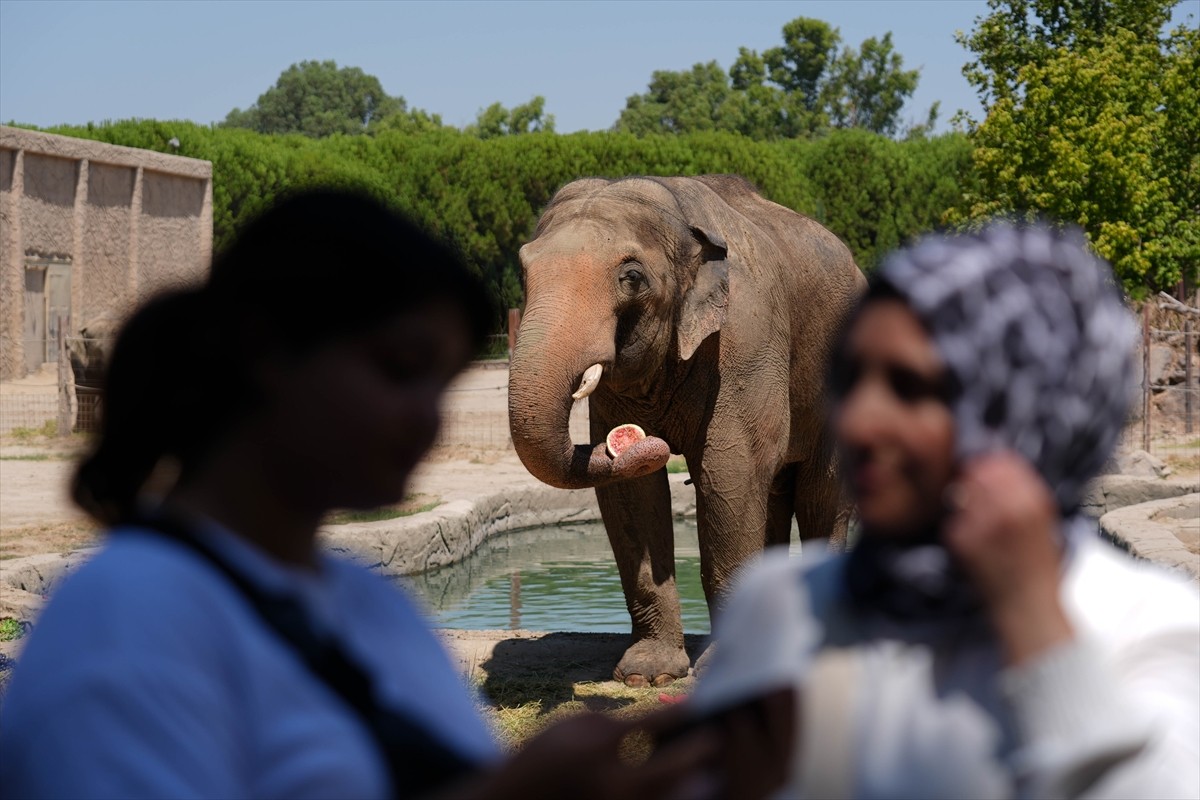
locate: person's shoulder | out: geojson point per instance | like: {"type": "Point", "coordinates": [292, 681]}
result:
{"type": "Point", "coordinates": [379, 600]}
{"type": "Point", "coordinates": [1114, 591]}
{"type": "Point", "coordinates": [133, 565]}
{"type": "Point", "coordinates": [364, 583]}
{"type": "Point", "coordinates": [140, 588]}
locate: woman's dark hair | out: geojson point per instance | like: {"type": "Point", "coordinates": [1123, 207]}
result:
{"type": "Point", "coordinates": [318, 266]}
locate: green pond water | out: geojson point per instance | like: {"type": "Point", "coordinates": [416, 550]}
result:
{"type": "Point", "coordinates": [551, 579]}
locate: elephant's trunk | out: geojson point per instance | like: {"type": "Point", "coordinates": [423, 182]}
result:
{"type": "Point", "coordinates": [548, 367]}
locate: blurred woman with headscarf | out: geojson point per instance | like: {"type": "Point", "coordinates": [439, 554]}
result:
{"type": "Point", "coordinates": [981, 640]}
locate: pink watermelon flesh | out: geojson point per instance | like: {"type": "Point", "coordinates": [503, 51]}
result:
{"type": "Point", "coordinates": [620, 438]}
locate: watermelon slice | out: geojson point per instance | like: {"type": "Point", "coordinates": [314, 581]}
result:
{"type": "Point", "coordinates": [620, 438]}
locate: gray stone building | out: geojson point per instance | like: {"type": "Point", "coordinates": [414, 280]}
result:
{"type": "Point", "coordinates": [87, 230]}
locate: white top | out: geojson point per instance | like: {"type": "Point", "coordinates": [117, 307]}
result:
{"type": "Point", "coordinates": [1115, 714]}
{"type": "Point", "coordinates": [149, 676]}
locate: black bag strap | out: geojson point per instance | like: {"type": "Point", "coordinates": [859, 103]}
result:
{"type": "Point", "coordinates": [417, 759]}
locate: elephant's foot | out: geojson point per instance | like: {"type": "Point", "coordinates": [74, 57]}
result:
{"type": "Point", "coordinates": [652, 662]}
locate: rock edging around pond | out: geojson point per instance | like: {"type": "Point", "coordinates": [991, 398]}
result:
{"type": "Point", "coordinates": [1165, 531]}
{"type": "Point", "coordinates": [401, 546]}
{"type": "Point", "coordinates": [451, 532]}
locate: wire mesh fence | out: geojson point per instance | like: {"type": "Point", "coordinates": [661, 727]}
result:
{"type": "Point", "coordinates": [476, 412]}
{"type": "Point", "coordinates": [28, 412]}
{"type": "Point", "coordinates": [488, 430]}
{"type": "Point", "coordinates": [61, 394]}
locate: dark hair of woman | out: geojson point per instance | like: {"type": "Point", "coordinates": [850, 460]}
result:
{"type": "Point", "coordinates": [318, 266]}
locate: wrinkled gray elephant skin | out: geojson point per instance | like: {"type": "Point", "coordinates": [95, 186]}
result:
{"type": "Point", "coordinates": [704, 313]}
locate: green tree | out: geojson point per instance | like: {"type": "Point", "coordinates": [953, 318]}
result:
{"type": "Point", "coordinates": [408, 120]}
{"type": "Point", "coordinates": [801, 64]}
{"type": "Point", "coordinates": [678, 102]}
{"type": "Point", "coordinates": [1097, 127]}
{"type": "Point", "coordinates": [317, 98]}
{"type": "Point", "coordinates": [1018, 33]}
{"type": "Point", "coordinates": [798, 88]}
{"type": "Point", "coordinates": [867, 89]}
{"type": "Point", "coordinates": [496, 120]}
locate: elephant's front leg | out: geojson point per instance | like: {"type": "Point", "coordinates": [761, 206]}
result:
{"type": "Point", "coordinates": [737, 514]}
{"type": "Point", "coordinates": [735, 518]}
{"type": "Point", "coordinates": [637, 514]}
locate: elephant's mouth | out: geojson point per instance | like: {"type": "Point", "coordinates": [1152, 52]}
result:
{"type": "Point", "coordinates": [540, 436]}
{"type": "Point", "coordinates": [628, 449]}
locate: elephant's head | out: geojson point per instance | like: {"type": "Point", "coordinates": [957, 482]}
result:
{"type": "Point", "coordinates": [89, 351]}
{"type": "Point", "coordinates": [622, 278]}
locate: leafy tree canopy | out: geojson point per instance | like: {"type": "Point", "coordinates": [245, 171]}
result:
{"type": "Point", "coordinates": [799, 88]}
{"type": "Point", "coordinates": [318, 98]}
{"type": "Point", "coordinates": [1092, 118]}
{"type": "Point", "coordinates": [496, 120]}
{"type": "Point", "coordinates": [1018, 33]}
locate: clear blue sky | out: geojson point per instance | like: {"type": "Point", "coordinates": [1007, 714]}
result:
{"type": "Point", "coordinates": [75, 62]}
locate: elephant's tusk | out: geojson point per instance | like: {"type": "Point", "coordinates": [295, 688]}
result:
{"type": "Point", "coordinates": [591, 378]}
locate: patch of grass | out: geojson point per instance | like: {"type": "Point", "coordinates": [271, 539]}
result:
{"type": "Point", "coordinates": [10, 629]}
{"type": "Point", "coordinates": [520, 708]}
{"type": "Point", "coordinates": [1183, 457]}
{"type": "Point", "coordinates": [413, 504]}
{"type": "Point", "coordinates": [516, 725]}
{"type": "Point", "coordinates": [48, 429]}
{"type": "Point", "coordinates": [677, 464]}
{"type": "Point", "coordinates": [48, 537]}
{"type": "Point", "coordinates": [1182, 463]}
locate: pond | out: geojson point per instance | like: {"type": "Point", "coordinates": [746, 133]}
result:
{"type": "Point", "coordinates": [551, 579]}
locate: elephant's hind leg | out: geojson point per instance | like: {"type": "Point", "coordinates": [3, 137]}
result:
{"type": "Point", "coordinates": [821, 507]}
{"type": "Point", "coordinates": [781, 504]}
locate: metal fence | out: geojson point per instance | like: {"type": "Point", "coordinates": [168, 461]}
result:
{"type": "Point", "coordinates": [20, 411]}
{"type": "Point", "coordinates": [488, 430]}
{"type": "Point", "coordinates": [31, 404]}
{"type": "Point", "coordinates": [477, 418]}
{"type": "Point", "coordinates": [45, 401]}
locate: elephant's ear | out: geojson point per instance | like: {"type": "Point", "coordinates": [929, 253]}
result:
{"type": "Point", "coordinates": [705, 303]}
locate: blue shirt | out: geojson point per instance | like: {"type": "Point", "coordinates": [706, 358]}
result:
{"type": "Point", "coordinates": [149, 676]}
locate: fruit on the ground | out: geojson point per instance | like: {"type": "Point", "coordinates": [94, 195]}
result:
{"type": "Point", "coordinates": [620, 438]}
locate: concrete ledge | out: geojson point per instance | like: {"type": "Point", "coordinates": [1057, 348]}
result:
{"type": "Point", "coordinates": [1111, 492]}
{"type": "Point", "coordinates": [1160, 531]}
{"type": "Point", "coordinates": [451, 532]}
{"type": "Point", "coordinates": [402, 546]}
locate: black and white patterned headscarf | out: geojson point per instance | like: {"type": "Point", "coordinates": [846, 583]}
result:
{"type": "Point", "coordinates": [1034, 331]}
{"type": "Point", "coordinates": [1038, 345]}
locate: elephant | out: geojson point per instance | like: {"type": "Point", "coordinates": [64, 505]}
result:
{"type": "Point", "coordinates": [704, 313]}
{"type": "Point", "coordinates": [90, 349]}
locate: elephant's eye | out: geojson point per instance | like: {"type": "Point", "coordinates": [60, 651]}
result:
{"type": "Point", "coordinates": [632, 277]}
